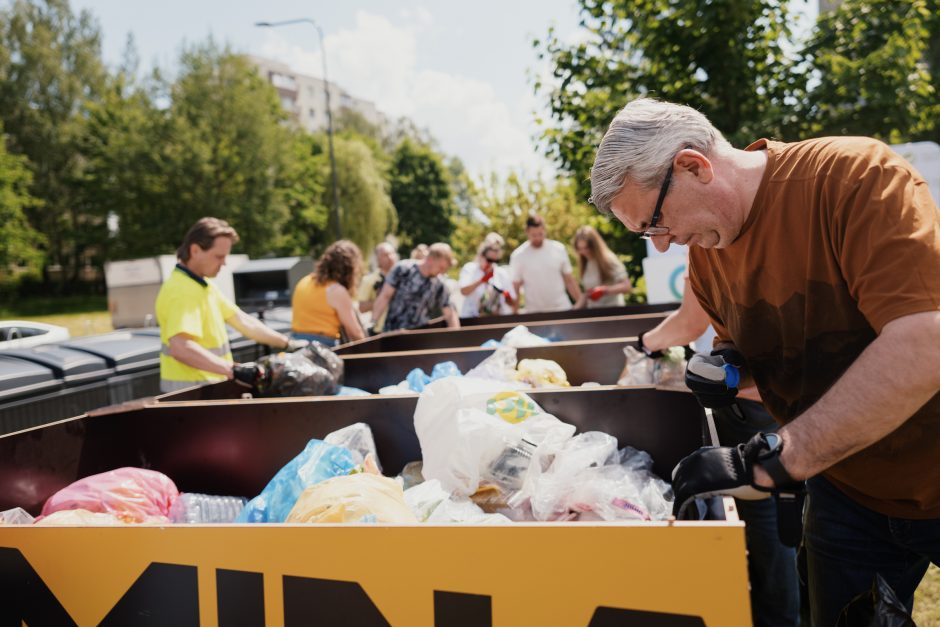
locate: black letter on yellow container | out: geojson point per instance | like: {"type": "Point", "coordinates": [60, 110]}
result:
{"type": "Point", "coordinates": [309, 601]}
{"type": "Point", "coordinates": [458, 609]}
{"type": "Point", "coordinates": [165, 595]}
{"type": "Point", "coordinates": [26, 598]}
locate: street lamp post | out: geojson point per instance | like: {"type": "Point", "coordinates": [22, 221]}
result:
{"type": "Point", "coordinates": [329, 113]}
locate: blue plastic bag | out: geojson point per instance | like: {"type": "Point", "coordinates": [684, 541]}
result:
{"type": "Point", "coordinates": [317, 462]}
{"type": "Point", "coordinates": [348, 391]}
{"type": "Point", "coordinates": [417, 379]}
{"type": "Point", "coordinates": [491, 344]}
{"type": "Point", "coordinates": [445, 369]}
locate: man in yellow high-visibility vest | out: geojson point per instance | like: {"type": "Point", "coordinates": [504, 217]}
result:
{"type": "Point", "coordinates": [192, 313]}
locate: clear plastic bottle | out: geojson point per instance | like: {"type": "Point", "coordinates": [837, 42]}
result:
{"type": "Point", "coordinates": [192, 508]}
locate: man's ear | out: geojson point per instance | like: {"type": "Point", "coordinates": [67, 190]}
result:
{"type": "Point", "coordinates": [695, 163]}
{"type": "Point", "coordinates": [193, 249]}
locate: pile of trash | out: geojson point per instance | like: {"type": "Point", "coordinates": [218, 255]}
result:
{"type": "Point", "coordinates": [490, 455]}
{"type": "Point", "coordinates": [518, 337]}
{"type": "Point", "coordinates": [313, 371]}
{"type": "Point", "coordinates": [667, 371]}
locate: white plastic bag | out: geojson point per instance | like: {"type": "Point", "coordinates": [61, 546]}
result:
{"type": "Point", "coordinates": [358, 439]}
{"type": "Point", "coordinates": [639, 368]}
{"type": "Point", "coordinates": [521, 337]}
{"type": "Point", "coordinates": [500, 366]}
{"type": "Point", "coordinates": [469, 427]}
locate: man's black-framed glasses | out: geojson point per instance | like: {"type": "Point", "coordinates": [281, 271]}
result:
{"type": "Point", "coordinates": [653, 228]}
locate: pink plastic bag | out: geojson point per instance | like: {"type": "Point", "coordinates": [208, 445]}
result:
{"type": "Point", "coordinates": [130, 494]}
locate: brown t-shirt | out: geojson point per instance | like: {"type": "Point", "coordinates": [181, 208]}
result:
{"type": "Point", "coordinates": [842, 238]}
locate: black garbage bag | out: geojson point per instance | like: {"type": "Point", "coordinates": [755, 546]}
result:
{"type": "Point", "coordinates": [323, 356]}
{"type": "Point", "coordinates": [879, 607]}
{"type": "Point", "coordinates": [293, 374]}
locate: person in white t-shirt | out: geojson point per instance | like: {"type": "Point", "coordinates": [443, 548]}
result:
{"type": "Point", "coordinates": [485, 285]}
{"type": "Point", "coordinates": [541, 267]}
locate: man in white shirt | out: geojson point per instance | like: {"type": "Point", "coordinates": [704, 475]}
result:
{"type": "Point", "coordinates": [541, 266]}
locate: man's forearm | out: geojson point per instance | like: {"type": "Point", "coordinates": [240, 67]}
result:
{"type": "Point", "coordinates": [450, 316]}
{"type": "Point", "coordinates": [892, 378]}
{"type": "Point", "coordinates": [195, 356]}
{"type": "Point", "coordinates": [255, 329]}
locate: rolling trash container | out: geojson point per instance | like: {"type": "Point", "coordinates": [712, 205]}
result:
{"type": "Point", "coordinates": [683, 573]}
{"type": "Point", "coordinates": [81, 385]}
{"type": "Point", "coordinates": [135, 359]}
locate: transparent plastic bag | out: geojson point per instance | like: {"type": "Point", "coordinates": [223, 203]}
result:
{"type": "Point", "coordinates": [85, 518]}
{"type": "Point", "coordinates": [638, 370]}
{"type": "Point", "coordinates": [130, 494]}
{"type": "Point", "coordinates": [521, 337]}
{"type": "Point", "coordinates": [193, 508]}
{"type": "Point", "coordinates": [542, 373]}
{"type": "Point", "coordinates": [353, 499]}
{"type": "Point", "coordinates": [500, 366]}
{"type": "Point", "coordinates": [317, 462]}
{"type": "Point", "coordinates": [357, 438]}
{"type": "Point", "coordinates": [16, 516]}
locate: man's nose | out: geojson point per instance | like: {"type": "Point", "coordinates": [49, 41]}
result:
{"type": "Point", "coordinates": [661, 242]}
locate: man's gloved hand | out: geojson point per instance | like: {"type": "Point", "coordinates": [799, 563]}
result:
{"type": "Point", "coordinates": [248, 374]}
{"type": "Point", "coordinates": [487, 275]}
{"type": "Point", "coordinates": [598, 292]}
{"type": "Point", "coordinates": [715, 470]}
{"type": "Point", "coordinates": [649, 353]}
{"type": "Point", "coordinates": [294, 345]}
{"type": "Point", "coordinates": [714, 379]}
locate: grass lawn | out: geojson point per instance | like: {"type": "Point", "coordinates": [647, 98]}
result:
{"type": "Point", "coordinates": [87, 315]}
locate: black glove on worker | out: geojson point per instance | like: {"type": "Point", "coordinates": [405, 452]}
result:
{"type": "Point", "coordinates": [649, 353]}
{"type": "Point", "coordinates": [247, 375]}
{"type": "Point", "coordinates": [729, 470]}
{"type": "Point", "coordinates": [714, 379]}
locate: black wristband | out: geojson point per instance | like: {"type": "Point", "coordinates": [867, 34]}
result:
{"type": "Point", "coordinates": [649, 353]}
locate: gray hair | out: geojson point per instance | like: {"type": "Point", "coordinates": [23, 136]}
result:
{"type": "Point", "coordinates": [642, 141]}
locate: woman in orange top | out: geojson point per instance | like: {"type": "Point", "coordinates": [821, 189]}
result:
{"type": "Point", "coordinates": [322, 303]}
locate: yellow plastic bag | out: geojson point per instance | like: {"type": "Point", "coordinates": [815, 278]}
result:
{"type": "Point", "coordinates": [361, 497]}
{"type": "Point", "coordinates": [541, 373]}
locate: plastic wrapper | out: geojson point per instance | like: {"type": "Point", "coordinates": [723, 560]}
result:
{"type": "Point", "coordinates": [192, 508]}
{"type": "Point", "coordinates": [878, 607]}
{"type": "Point", "coordinates": [667, 371]}
{"type": "Point", "coordinates": [410, 475]}
{"type": "Point", "coordinates": [354, 498]}
{"type": "Point", "coordinates": [357, 438]}
{"type": "Point", "coordinates": [423, 498]}
{"type": "Point", "coordinates": [130, 494]}
{"type": "Point", "coordinates": [321, 355]}
{"type": "Point", "coordinates": [468, 428]}
{"type": "Point", "coordinates": [463, 510]}
{"type": "Point", "coordinates": [500, 366]}
{"type": "Point", "coordinates": [85, 518]}
{"type": "Point", "coordinates": [396, 390]}
{"type": "Point", "coordinates": [521, 337]}
{"type": "Point", "coordinates": [541, 373]}
{"type": "Point", "coordinates": [317, 462]}
{"type": "Point", "coordinates": [348, 391]}
{"type": "Point", "coordinates": [417, 378]}
{"type": "Point", "coordinates": [292, 374]}
{"type": "Point", "coordinates": [16, 516]}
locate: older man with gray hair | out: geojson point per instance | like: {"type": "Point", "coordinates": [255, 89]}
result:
{"type": "Point", "coordinates": [817, 263]}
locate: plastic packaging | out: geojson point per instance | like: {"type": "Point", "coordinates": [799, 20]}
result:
{"type": "Point", "coordinates": [417, 378]}
{"type": "Point", "coordinates": [542, 373]}
{"type": "Point", "coordinates": [353, 498]}
{"type": "Point", "coordinates": [321, 355]}
{"type": "Point", "coordinates": [317, 462]}
{"type": "Point", "coordinates": [292, 374]}
{"type": "Point", "coordinates": [410, 475]}
{"type": "Point", "coordinates": [348, 391]}
{"type": "Point", "coordinates": [667, 371]}
{"type": "Point", "coordinates": [638, 370]}
{"type": "Point", "coordinates": [130, 494]}
{"type": "Point", "coordinates": [466, 424]}
{"type": "Point", "coordinates": [521, 337]}
{"type": "Point", "coordinates": [85, 518]}
{"type": "Point", "coordinates": [500, 366]}
{"type": "Point", "coordinates": [357, 438]}
{"type": "Point", "coordinates": [193, 508]}
{"type": "Point", "coordinates": [16, 516]}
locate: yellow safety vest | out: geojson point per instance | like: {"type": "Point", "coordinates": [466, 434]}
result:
{"type": "Point", "coordinates": [192, 305]}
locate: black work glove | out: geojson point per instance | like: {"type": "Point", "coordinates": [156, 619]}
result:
{"type": "Point", "coordinates": [727, 470]}
{"type": "Point", "coordinates": [714, 378]}
{"type": "Point", "coordinates": [649, 353]}
{"type": "Point", "coordinates": [248, 375]}
{"type": "Point", "coordinates": [294, 345]}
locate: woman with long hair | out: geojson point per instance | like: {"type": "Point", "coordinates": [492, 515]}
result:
{"type": "Point", "coordinates": [322, 305]}
{"type": "Point", "coordinates": [603, 276]}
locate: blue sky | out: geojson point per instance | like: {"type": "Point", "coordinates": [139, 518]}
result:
{"type": "Point", "coordinates": [462, 70]}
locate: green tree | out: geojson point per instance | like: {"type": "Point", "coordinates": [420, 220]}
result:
{"type": "Point", "coordinates": [873, 61]}
{"type": "Point", "coordinates": [367, 214]}
{"type": "Point", "coordinates": [49, 66]}
{"type": "Point", "coordinates": [725, 58]}
{"type": "Point", "coordinates": [18, 241]}
{"type": "Point", "coordinates": [422, 195]}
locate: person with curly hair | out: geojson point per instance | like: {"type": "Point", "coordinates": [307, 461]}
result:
{"type": "Point", "coordinates": [322, 304]}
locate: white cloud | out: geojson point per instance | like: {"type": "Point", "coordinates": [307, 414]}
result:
{"type": "Point", "coordinates": [377, 60]}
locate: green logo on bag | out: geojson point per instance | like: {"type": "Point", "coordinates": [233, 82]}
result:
{"type": "Point", "coordinates": [512, 407]}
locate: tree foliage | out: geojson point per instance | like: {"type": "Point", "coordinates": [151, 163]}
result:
{"type": "Point", "coordinates": [49, 66]}
{"type": "Point", "coordinates": [422, 195]}
{"type": "Point", "coordinates": [18, 241]}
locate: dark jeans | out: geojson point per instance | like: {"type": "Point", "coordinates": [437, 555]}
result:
{"type": "Point", "coordinates": [846, 544]}
{"type": "Point", "coordinates": [775, 592]}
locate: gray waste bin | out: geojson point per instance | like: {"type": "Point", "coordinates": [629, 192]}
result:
{"type": "Point", "coordinates": [135, 359]}
{"type": "Point", "coordinates": [21, 380]}
{"type": "Point", "coordinates": [81, 385]}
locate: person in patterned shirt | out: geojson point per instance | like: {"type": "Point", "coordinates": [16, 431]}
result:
{"type": "Point", "coordinates": [414, 289]}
